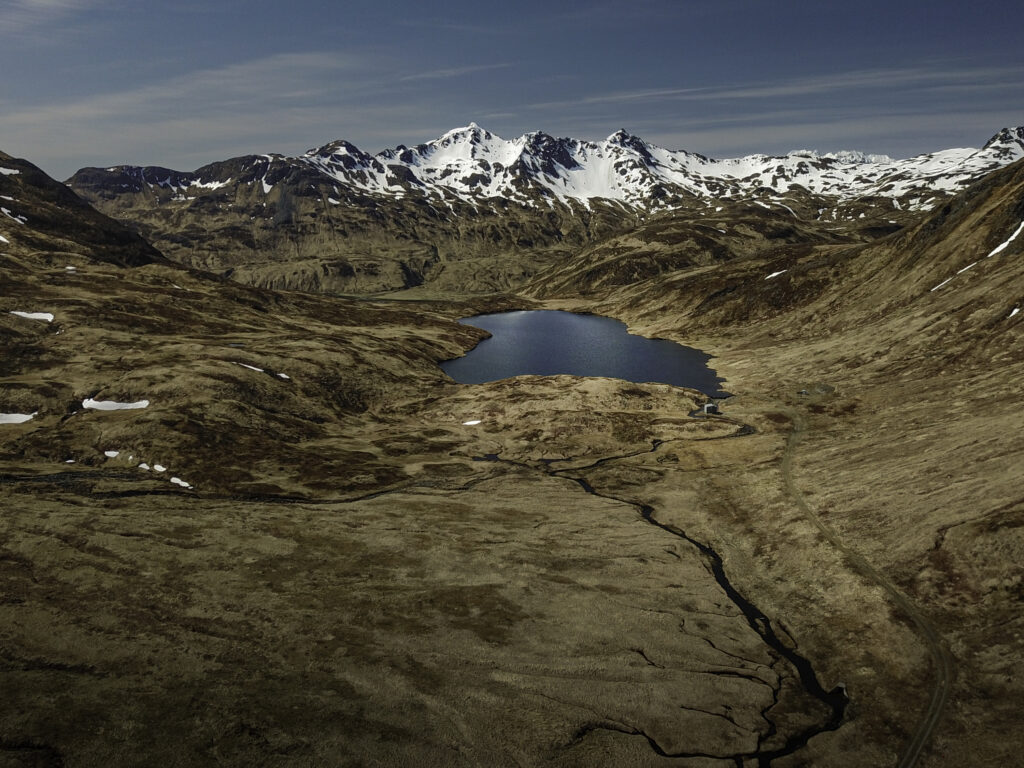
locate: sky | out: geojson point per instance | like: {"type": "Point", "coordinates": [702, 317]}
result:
{"type": "Point", "coordinates": [181, 83]}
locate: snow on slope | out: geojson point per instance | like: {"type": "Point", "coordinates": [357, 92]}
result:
{"type": "Point", "coordinates": [473, 165]}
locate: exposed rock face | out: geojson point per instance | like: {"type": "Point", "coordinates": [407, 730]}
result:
{"type": "Point", "coordinates": [472, 211]}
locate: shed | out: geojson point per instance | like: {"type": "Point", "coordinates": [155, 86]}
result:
{"type": "Point", "coordinates": [711, 408]}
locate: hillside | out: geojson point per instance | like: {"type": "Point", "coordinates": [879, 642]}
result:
{"type": "Point", "coordinates": [43, 215]}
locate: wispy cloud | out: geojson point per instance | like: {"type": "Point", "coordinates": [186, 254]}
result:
{"type": "Point", "coordinates": [842, 82]}
{"type": "Point", "coordinates": [899, 135]}
{"type": "Point", "coordinates": [22, 15]}
{"type": "Point", "coordinates": [895, 78]}
{"type": "Point", "coordinates": [198, 111]}
{"type": "Point", "coordinates": [265, 104]}
{"type": "Point", "coordinates": [260, 85]}
{"type": "Point", "coordinates": [444, 74]}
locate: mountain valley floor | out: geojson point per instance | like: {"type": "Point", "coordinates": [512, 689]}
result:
{"type": "Point", "coordinates": [371, 593]}
{"type": "Point", "coordinates": [284, 539]}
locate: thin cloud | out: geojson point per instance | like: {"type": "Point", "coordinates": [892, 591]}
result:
{"type": "Point", "coordinates": [898, 135]}
{"type": "Point", "coordinates": [621, 97]}
{"type": "Point", "coordinates": [260, 98]}
{"type": "Point", "coordinates": [858, 80]}
{"type": "Point", "coordinates": [259, 85]}
{"type": "Point", "coordinates": [22, 15]}
{"type": "Point", "coordinates": [444, 74]}
{"type": "Point", "coordinates": [899, 78]}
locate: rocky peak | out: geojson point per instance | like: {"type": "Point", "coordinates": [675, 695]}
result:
{"type": "Point", "coordinates": [1009, 138]}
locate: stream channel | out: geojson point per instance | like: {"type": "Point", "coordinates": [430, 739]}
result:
{"type": "Point", "coordinates": [834, 700]}
{"type": "Point", "coordinates": [551, 342]}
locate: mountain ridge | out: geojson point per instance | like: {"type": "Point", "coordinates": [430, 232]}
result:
{"type": "Point", "coordinates": [473, 211]}
{"type": "Point", "coordinates": [473, 164]}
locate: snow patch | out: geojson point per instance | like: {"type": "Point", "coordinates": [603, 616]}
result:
{"type": "Point", "coordinates": [16, 418]}
{"type": "Point", "coordinates": [7, 212]}
{"type": "Point", "coordinates": [283, 376]}
{"type": "Point", "coordinates": [159, 468]}
{"type": "Point", "coordinates": [210, 184]}
{"type": "Point", "coordinates": [111, 454]}
{"type": "Point", "coordinates": [8, 172]}
{"type": "Point", "coordinates": [776, 274]}
{"type": "Point", "coordinates": [471, 422]}
{"type": "Point", "coordinates": [179, 481]}
{"type": "Point", "coordinates": [250, 367]}
{"type": "Point", "coordinates": [941, 284]}
{"type": "Point", "coordinates": [47, 316]}
{"type": "Point", "coordinates": [1015, 311]}
{"type": "Point", "coordinates": [113, 405]}
{"type": "Point", "coordinates": [4, 239]}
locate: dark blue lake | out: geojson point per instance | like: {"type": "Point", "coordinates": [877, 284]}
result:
{"type": "Point", "coordinates": [550, 342]}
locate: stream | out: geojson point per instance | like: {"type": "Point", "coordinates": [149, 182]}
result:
{"type": "Point", "coordinates": [835, 700]}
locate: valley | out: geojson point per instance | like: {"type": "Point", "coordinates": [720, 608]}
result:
{"type": "Point", "coordinates": [366, 563]}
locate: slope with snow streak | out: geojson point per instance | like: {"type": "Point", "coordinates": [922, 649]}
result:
{"type": "Point", "coordinates": [998, 249]}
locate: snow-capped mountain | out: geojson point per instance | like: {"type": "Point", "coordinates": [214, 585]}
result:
{"type": "Point", "coordinates": [473, 165]}
{"type": "Point", "coordinates": [472, 209]}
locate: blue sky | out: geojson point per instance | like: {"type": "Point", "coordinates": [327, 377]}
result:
{"type": "Point", "coordinates": [186, 82]}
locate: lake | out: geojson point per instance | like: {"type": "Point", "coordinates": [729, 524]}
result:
{"type": "Point", "coordinates": [551, 342]}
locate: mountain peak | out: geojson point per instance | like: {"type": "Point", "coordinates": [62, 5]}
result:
{"type": "Point", "coordinates": [1007, 136]}
{"type": "Point", "coordinates": [622, 137]}
{"type": "Point", "coordinates": [472, 132]}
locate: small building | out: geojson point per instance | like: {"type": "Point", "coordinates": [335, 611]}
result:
{"type": "Point", "coordinates": [711, 408]}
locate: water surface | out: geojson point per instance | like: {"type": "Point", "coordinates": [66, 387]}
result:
{"type": "Point", "coordinates": [551, 342]}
